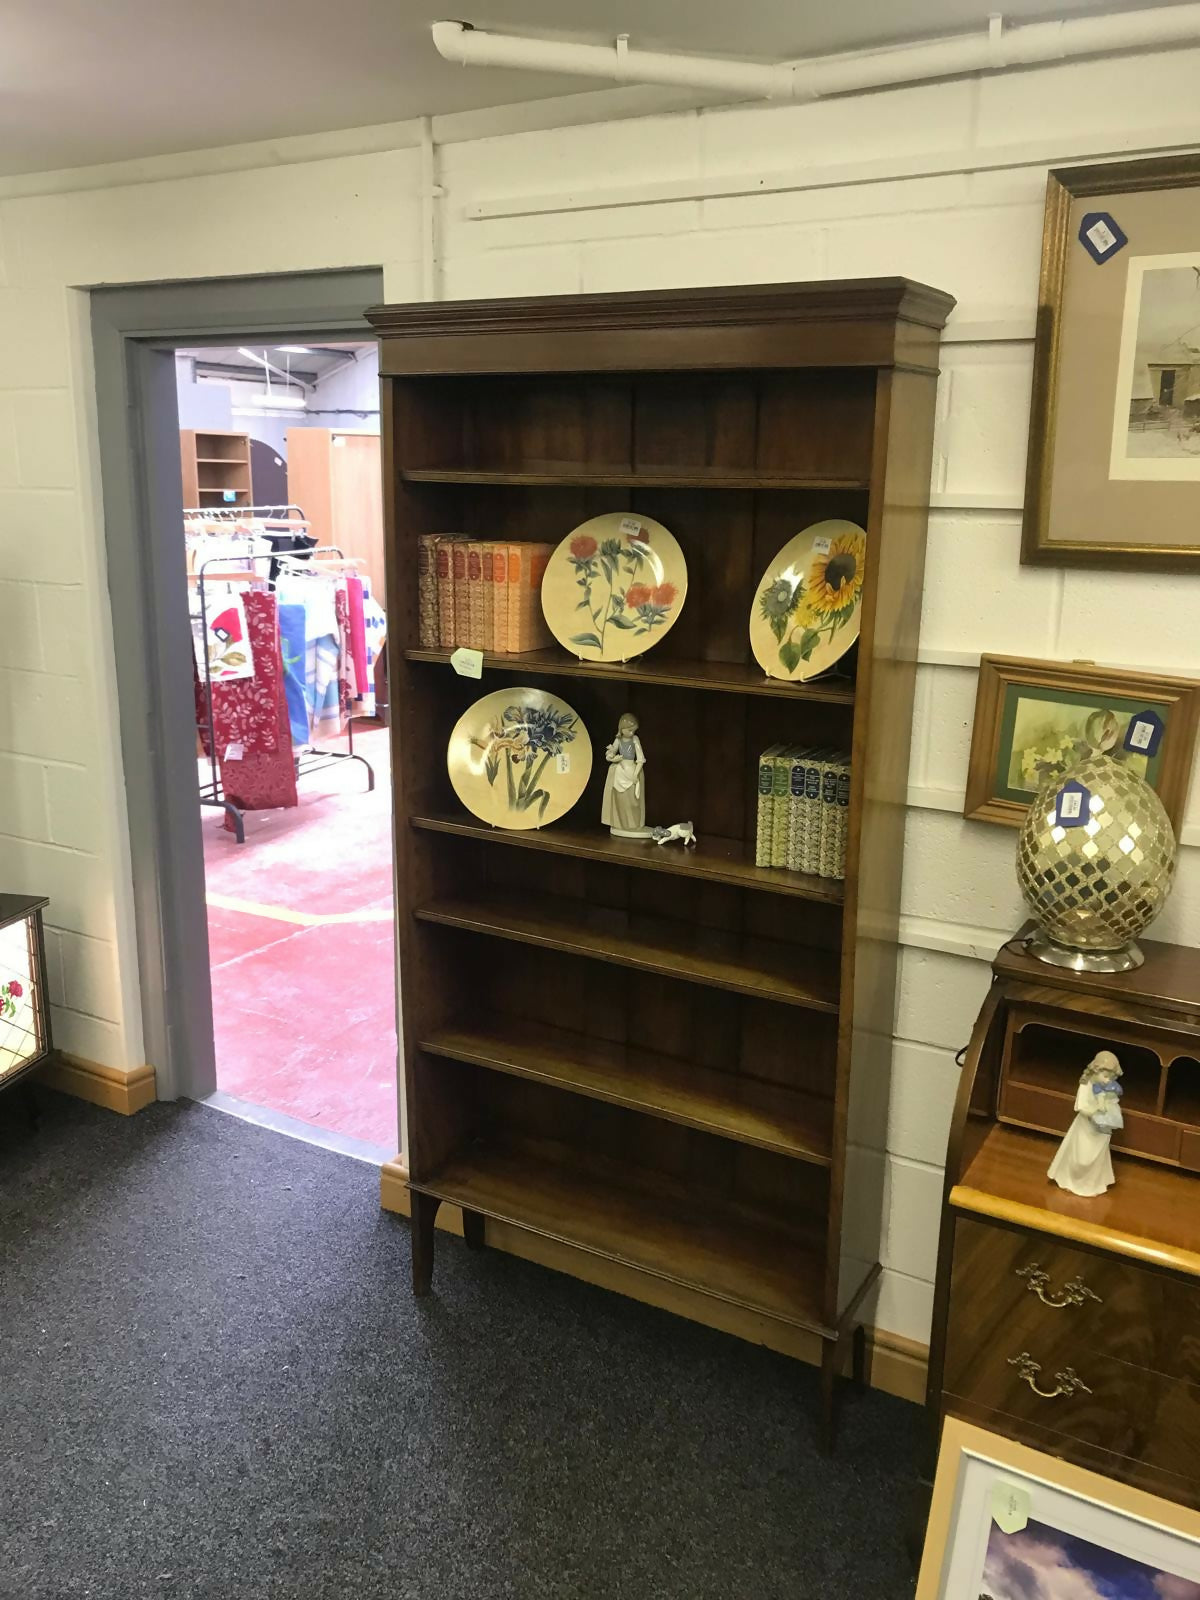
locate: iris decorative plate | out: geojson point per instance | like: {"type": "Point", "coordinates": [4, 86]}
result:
{"type": "Point", "coordinates": [519, 758]}
{"type": "Point", "coordinates": [806, 609]}
{"type": "Point", "coordinates": [614, 587]}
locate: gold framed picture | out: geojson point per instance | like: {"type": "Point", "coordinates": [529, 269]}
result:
{"type": "Point", "coordinates": [1008, 1521]}
{"type": "Point", "coordinates": [1030, 722]}
{"type": "Point", "coordinates": [1113, 475]}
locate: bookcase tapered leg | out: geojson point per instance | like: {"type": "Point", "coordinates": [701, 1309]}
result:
{"type": "Point", "coordinates": [858, 1357]}
{"type": "Point", "coordinates": [473, 1229]}
{"type": "Point", "coordinates": [830, 1365]}
{"type": "Point", "coordinates": [424, 1214]}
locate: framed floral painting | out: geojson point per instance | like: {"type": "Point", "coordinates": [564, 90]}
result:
{"type": "Point", "coordinates": [1011, 1523]}
{"type": "Point", "coordinates": [1030, 725]}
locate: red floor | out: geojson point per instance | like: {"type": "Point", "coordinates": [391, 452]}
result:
{"type": "Point", "coordinates": [300, 944]}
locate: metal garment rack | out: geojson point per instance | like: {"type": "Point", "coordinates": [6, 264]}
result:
{"type": "Point", "coordinates": [284, 517]}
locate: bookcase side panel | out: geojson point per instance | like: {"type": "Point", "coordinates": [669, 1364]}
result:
{"type": "Point", "coordinates": [887, 662]}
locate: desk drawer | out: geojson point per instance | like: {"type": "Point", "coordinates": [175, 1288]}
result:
{"type": "Point", "coordinates": [1013, 1292]}
{"type": "Point", "coordinates": [1092, 1399]}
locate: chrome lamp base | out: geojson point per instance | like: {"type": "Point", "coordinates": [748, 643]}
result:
{"type": "Point", "coordinates": [1061, 955]}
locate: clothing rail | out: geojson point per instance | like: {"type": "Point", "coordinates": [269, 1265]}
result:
{"type": "Point", "coordinates": [212, 792]}
{"type": "Point", "coordinates": [307, 564]}
{"type": "Point", "coordinates": [236, 513]}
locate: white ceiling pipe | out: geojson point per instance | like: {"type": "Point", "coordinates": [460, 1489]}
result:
{"type": "Point", "coordinates": [458, 41]}
{"type": "Point", "coordinates": [998, 47]}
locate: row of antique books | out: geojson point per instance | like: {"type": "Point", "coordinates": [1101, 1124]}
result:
{"type": "Point", "coordinates": [480, 593]}
{"type": "Point", "coordinates": [803, 810]}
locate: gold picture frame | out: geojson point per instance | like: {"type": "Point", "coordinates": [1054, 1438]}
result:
{"type": "Point", "coordinates": [1113, 473]}
{"type": "Point", "coordinates": [1001, 1508]}
{"type": "Point", "coordinates": [1029, 723]}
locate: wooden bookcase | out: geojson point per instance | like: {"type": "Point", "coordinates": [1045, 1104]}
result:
{"type": "Point", "coordinates": [654, 1057]}
{"type": "Point", "coordinates": [212, 464]}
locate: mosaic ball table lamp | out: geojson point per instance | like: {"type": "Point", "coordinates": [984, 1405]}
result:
{"type": "Point", "coordinates": [24, 1006]}
{"type": "Point", "coordinates": [1095, 860]}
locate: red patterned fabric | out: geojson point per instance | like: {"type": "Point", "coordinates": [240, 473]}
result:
{"type": "Point", "coordinates": [265, 776]}
{"type": "Point", "coordinates": [358, 635]}
{"type": "Point", "coordinates": [341, 605]}
{"type": "Point", "coordinates": [244, 708]}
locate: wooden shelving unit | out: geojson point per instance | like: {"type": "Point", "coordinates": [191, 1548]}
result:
{"type": "Point", "coordinates": [721, 677]}
{"type": "Point", "coordinates": [657, 1057]}
{"type": "Point", "coordinates": [215, 466]}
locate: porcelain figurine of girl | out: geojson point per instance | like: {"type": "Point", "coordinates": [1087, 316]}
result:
{"type": "Point", "coordinates": [623, 809]}
{"type": "Point", "coordinates": [1083, 1164]}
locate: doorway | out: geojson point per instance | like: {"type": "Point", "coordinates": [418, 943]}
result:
{"type": "Point", "coordinates": [276, 950]}
{"type": "Point", "coordinates": [281, 473]}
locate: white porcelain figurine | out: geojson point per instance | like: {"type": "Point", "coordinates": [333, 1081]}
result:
{"type": "Point", "coordinates": [1083, 1164]}
{"type": "Point", "coordinates": [623, 809]}
{"type": "Point", "coordinates": [677, 830]}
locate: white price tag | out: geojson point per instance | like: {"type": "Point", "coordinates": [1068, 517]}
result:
{"type": "Point", "coordinates": [1069, 804]}
{"type": "Point", "coordinates": [822, 546]}
{"type": "Point", "coordinates": [1010, 1507]}
{"type": "Point", "coordinates": [467, 663]}
{"type": "Point", "coordinates": [339, 442]}
{"type": "Point", "coordinates": [234, 752]}
{"type": "Point", "coordinates": [1102, 235]}
{"type": "Point", "coordinates": [631, 526]}
{"type": "Point", "coordinates": [1140, 735]}
{"type": "Point", "coordinates": [562, 761]}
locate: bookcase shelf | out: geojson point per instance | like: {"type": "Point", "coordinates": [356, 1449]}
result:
{"type": "Point", "coordinates": [741, 1254]}
{"type": "Point", "coordinates": [640, 1053]}
{"type": "Point", "coordinates": [747, 1110]}
{"type": "Point", "coordinates": [790, 974]}
{"type": "Point", "coordinates": [723, 677]}
{"type": "Point", "coordinates": [728, 861]}
{"type": "Point", "coordinates": [683, 478]}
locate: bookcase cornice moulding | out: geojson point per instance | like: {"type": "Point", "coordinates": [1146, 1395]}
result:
{"type": "Point", "coordinates": [861, 321]}
{"type": "Point", "coordinates": [662, 1063]}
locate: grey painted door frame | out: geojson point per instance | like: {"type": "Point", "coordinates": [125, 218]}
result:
{"type": "Point", "coordinates": [135, 330]}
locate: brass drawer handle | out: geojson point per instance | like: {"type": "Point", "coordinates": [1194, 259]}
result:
{"type": "Point", "coordinates": [1071, 1294]}
{"type": "Point", "coordinates": [1067, 1381]}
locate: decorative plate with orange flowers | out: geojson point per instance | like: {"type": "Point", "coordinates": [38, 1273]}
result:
{"type": "Point", "coordinates": [614, 586]}
{"type": "Point", "coordinates": [806, 609]}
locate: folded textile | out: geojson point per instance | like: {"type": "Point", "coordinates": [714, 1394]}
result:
{"type": "Point", "coordinates": [341, 605]}
{"type": "Point", "coordinates": [321, 687]}
{"type": "Point", "coordinates": [294, 651]}
{"type": "Point", "coordinates": [257, 769]}
{"type": "Point", "coordinates": [244, 708]}
{"type": "Point", "coordinates": [358, 634]}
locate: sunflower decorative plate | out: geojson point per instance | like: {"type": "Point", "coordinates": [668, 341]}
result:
{"type": "Point", "coordinates": [806, 610]}
{"type": "Point", "coordinates": [519, 758]}
{"type": "Point", "coordinates": [614, 587]}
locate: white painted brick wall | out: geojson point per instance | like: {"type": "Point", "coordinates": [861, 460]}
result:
{"type": "Point", "coordinates": [975, 233]}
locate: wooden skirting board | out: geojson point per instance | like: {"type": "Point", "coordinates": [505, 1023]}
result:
{"type": "Point", "coordinates": [113, 1088]}
{"type": "Point", "coordinates": [896, 1365]}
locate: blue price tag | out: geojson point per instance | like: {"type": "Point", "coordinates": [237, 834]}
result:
{"type": "Point", "coordinates": [1101, 236]}
{"type": "Point", "coordinates": [1072, 805]}
{"type": "Point", "coordinates": [1144, 733]}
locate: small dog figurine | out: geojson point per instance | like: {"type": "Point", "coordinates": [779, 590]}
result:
{"type": "Point", "coordinates": [678, 830]}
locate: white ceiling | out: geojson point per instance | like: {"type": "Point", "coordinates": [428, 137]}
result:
{"type": "Point", "coordinates": [84, 82]}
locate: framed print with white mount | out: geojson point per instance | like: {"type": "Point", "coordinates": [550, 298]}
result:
{"type": "Point", "coordinates": [1113, 475]}
{"type": "Point", "coordinates": [1008, 1521]}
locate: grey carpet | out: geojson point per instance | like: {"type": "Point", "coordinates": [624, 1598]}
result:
{"type": "Point", "coordinates": [214, 1383]}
